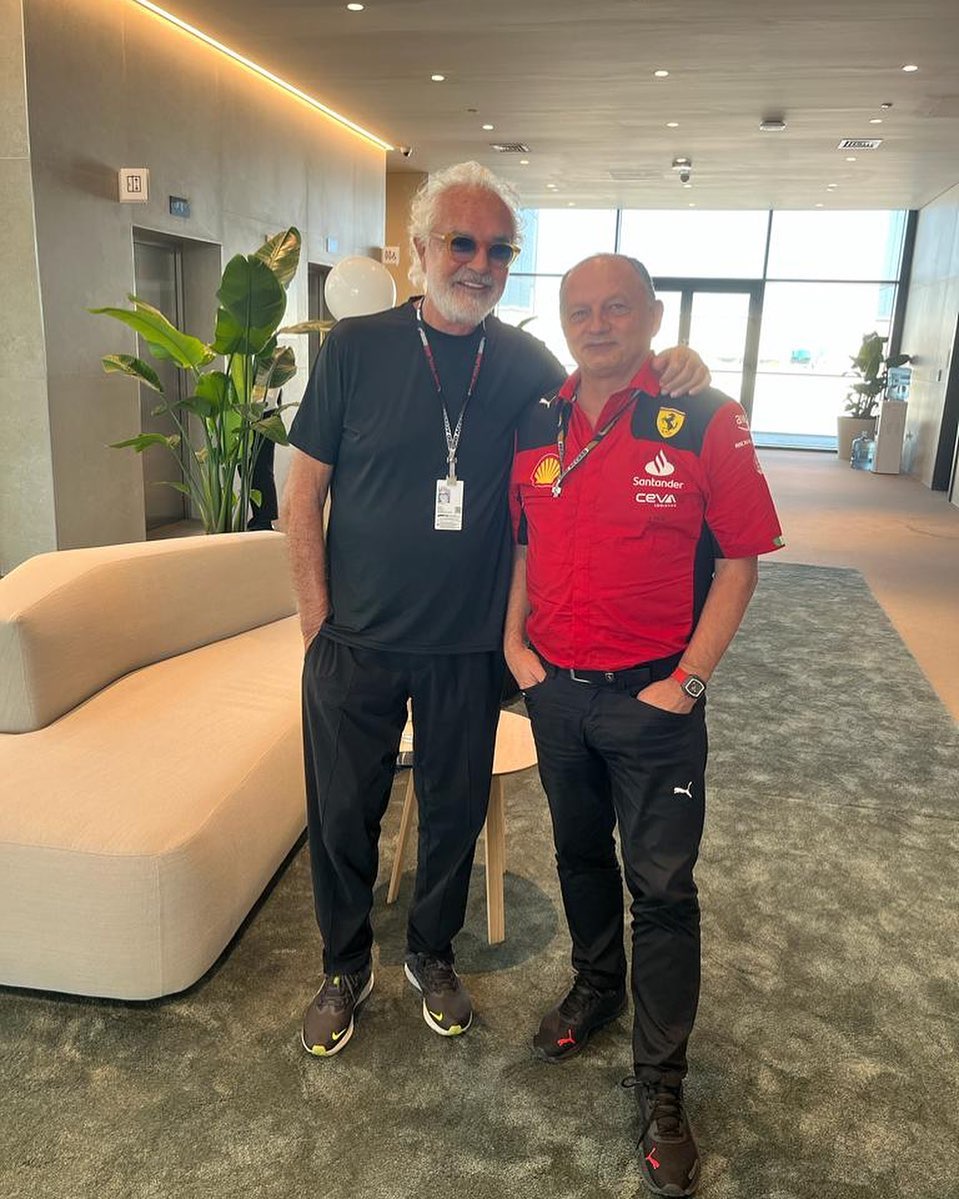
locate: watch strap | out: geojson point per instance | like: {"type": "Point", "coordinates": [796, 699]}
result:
{"type": "Point", "coordinates": [691, 683]}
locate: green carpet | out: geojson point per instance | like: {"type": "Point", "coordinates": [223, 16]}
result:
{"type": "Point", "coordinates": [824, 1062]}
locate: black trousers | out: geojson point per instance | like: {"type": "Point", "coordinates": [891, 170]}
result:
{"type": "Point", "coordinates": [354, 710]}
{"type": "Point", "coordinates": [607, 759]}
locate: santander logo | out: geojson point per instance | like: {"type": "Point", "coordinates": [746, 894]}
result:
{"type": "Point", "coordinates": [660, 467]}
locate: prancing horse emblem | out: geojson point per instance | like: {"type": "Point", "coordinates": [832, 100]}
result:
{"type": "Point", "coordinates": [669, 421]}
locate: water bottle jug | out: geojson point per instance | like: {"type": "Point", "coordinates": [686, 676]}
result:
{"type": "Point", "coordinates": [863, 450]}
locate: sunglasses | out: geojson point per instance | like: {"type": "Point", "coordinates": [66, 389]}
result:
{"type": "Point", "coordinates": [462, 248]}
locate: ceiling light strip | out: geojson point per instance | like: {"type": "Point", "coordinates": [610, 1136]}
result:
{"type": "Point", "coordinates": [264, 73]}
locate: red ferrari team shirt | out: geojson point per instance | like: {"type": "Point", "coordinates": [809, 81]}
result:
{"type": "Point", "coordinates": [619, 563]}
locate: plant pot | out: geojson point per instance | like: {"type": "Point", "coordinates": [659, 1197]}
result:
{"type": "Point", "coordinates": [848, 429]}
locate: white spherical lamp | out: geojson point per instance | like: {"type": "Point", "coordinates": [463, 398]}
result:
{"type": "Point", "coordinates": [358, 286]}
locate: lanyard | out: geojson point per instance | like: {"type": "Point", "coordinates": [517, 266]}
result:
{"type": "Point", "coordinates": [452, 435]}
{"type": "Point", "coordinates": [561, 426]}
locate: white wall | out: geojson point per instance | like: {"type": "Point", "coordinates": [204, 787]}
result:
{"type": "Point", "coordinates": [929, 328]}
{"type": "Point", "coordinates": [26, 492]}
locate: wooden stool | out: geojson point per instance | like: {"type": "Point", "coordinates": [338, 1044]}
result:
{"type": "Point", "coordinates": [514, 751]}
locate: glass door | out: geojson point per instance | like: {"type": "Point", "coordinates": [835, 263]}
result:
{"type": "Point", "coordinates": [720, 320]}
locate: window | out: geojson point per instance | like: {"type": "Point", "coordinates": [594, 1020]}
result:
{"type": "Point", "coordinates": [836, 245]}
{"type": "Point", "coordinates": [701, 245]}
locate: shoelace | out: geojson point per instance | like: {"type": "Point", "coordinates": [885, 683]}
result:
{"type": "Point", "coordinates": [581, 997]}
{"type": "Point", "coordinates": [438, 975]}
{"type": "Point", "coordinates": [665, 1107]}
{"type": "Point", "coordinates": [339, 990]}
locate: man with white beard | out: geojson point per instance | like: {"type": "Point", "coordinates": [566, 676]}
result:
{"type": "Point", "coordinates": [408, 423]}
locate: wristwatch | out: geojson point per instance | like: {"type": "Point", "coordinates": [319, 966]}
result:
{"type": "Point", "coordinates": [692, 684]}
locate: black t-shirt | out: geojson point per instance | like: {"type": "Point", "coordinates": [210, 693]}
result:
{"type": "Point", "coordinates": [371, 410]}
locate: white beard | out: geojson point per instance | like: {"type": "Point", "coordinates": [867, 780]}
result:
{"type": "Point", "coordinates": [458, 305]}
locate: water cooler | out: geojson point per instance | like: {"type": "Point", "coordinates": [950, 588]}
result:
{"type": "Point", "coordinates": [890, 432]}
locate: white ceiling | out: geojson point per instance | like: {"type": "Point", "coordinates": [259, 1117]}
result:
{"type": "Point", "coordinates": [574, 80]}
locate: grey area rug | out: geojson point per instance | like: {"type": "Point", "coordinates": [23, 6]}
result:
{"type": "Point", "coordinates": [824, 1063]}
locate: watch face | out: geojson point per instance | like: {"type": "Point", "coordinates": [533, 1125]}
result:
{"type": "Point", "coordinates": [694, 686]}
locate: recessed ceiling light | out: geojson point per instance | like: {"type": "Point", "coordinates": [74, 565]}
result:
{"type": "Point", "coordinates": [487, 128]}
{"type": "Point", "coordinates": [687, 185]}
{"type": "Point", "coordinates": [552, 186]}
{"type": "Point", "coordinates": [910, 66]}
{"type": "Point", "coordinates": [571, 204]}
{"type": "Point", "coordinates": [692, 206]}
{"type": "Point", "coordinates": [661, 74]}
{"type": "Point", "coordinates": [524, 162]}
{"type": "Point", "coordinates": [438, 78]}
{"type": "Point", "coordinates": [672, 124]}
{"type": "Point", "coordinates": [885, 106]}
{"type": "Point", "coordinates": [819, 205]}
{"type": "Point", "coordinates": [875, 120]}
{"type": "Point", "coordinates": [851, 159]}
{"type": "Point", "coordinates": [356, 7]}
{"type": "Point", "coordinates": [772, 125]}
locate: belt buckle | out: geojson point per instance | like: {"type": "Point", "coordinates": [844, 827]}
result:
{"type": "Point", "coordinates": [575, 677]}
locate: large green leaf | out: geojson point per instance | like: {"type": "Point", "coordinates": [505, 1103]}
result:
{"type": "Point", "coordinates": [216, 389]}
{"type": "Point", "coordinates": [126, 364]}
{"type": "Point", "coordinates": [282, 254]}
{"type": "Point", "coordinates": [276, 370]}
{"type": "Point", "coordinates": [308, 327]}
{"type": "Point", "coordinates": [143, 441]}
{"type": "Point", "coordinates": [252, 303]}
{"type": "Point", "coordinates": [195, 404]}
{"type": "Point", "coordinates": [164, 338]}
{"type": "Point", "coordinates": [273, 429]}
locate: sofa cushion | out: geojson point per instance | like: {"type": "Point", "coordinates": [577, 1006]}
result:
{"type": "Point", "coordinates": [138, 831]}
{"type": "Point", "coordinates": [72, 622]}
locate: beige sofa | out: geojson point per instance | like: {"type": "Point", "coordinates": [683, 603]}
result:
{"type": "Point", "coordinates": [151, 779]}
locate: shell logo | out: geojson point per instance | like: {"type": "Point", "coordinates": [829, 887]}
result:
{"type": "Point", "coordinates": [547, 471]}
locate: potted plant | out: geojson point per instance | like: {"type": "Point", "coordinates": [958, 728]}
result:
{"type": "Point", "coordinates": [872, 370]}
{"type": "Point", "coordinates": [227, 415]}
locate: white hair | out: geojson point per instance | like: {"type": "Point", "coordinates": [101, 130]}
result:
{"type": "Point", "coordinates": [426, 202]}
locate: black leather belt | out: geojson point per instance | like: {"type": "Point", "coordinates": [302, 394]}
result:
{"type": "Point", "coordinates": [638, 676]}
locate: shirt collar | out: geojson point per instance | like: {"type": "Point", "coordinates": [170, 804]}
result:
{"type": "Point", "coordinates": [645, 380]}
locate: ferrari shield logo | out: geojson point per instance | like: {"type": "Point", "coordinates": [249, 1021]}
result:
{"type": "Point", "coordinates": [669, 421]}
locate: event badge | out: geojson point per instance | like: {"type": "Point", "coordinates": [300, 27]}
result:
{"type": "Point", "coordinates": [449, 505]}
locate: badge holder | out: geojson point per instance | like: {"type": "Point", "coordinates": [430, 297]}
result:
{"type": "Point", "coordinates": [448, 513]}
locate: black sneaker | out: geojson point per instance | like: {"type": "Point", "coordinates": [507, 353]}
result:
{"type": "Point", "coordinates": [669, 1159]}
{"type": "Point", "coordinates": [565, 1030]}
{"type": "Point", "coordinates": [328, 1021]}
{"type": "Point", "coordinates": [447, 1007]}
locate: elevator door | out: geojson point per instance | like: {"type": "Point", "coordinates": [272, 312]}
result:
{"type": "Point", "coordinates": [158, 270]}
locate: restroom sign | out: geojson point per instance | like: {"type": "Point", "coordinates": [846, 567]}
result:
{"type": "Point", "coordinates": [134, 185]}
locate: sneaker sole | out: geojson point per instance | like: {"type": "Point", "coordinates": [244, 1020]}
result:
{"type": "Point", "coordinates": [321, 1050]}
{"type": "Point", "coordinates": [554, 1059]}
{"type": "Point", "coordinates": [456, 1031]}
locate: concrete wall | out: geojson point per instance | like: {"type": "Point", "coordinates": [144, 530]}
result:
{"type": "Point", "coordinates": [111, 85]}
{"type": "Point", "coordinates": [27, 521]}
{"type": "Point", "coordinates": [400, 189]}
{"type": "Point", "coordinates": [929, 328]}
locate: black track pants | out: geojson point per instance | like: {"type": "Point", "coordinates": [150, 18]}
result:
{"type": "Point", "coordinates": [354, 710]}
{"type": "Point", "coordinates": [606, 758]}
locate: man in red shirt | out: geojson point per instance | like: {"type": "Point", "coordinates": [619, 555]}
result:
{"type": "Point", "coordinates": [639, 519]}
